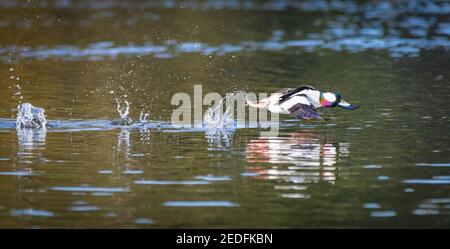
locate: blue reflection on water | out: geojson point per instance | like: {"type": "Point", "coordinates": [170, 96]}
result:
{"type": "Point", "coordinates": [17, 173]}
{"type": "Point", "coordinates": [383, 214]}
{"type": "Point", "coordinates": [90, 189]}
{"type": "Point", "coordinates": [433, 181]}
{"type": "Point", "coordinates": [213, 178]}
{"type": "Point", "coordinates": [32, 212]}
{"type": "Point", "coordinates": [84, 208]}
{"type": "Point", "coordinates": [401, 28]}
{"type": "Point", "coordinates": [200, 204]}
{"type": "Point", "coordinates": [162, 182]}
{"type": "Point", "coordinates": [143, 221]}
{"type": "Point", "coordinates": [433, 164]}
{"type": "Point", "coordinates": [372, 205]}
{"type": "Point", "coordinates": [397, 47]}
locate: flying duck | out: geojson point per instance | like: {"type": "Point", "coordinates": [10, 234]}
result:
{"type": "Point", "coordinates": [301, 102]}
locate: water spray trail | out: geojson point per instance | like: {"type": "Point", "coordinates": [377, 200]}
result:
{"type": "Point", "coordinates": [29, 116]}
{"type": "Point", "coordinates": [123, 113]}
{"type": "Point", "coordinates": [215, 119]}
{"type": "Point", "coordinates": [143, 117]}
{"type": "Point", "coordinates": [218, 125]}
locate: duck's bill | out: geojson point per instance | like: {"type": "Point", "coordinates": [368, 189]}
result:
{"type": "Point", "coordinates": [347, 106]}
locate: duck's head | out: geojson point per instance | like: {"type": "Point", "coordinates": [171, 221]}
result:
{"type": "Point", "coordinates": [329, 99]}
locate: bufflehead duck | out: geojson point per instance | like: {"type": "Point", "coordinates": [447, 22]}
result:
{"type": "Point", "coordinates": [301, 102]}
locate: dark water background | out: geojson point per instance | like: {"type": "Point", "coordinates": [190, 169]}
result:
{"type": "Point", "coordinates": [385, 165]}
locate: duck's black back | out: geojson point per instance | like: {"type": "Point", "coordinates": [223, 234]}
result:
{"type": "Point", "coordinates": [292, 92]}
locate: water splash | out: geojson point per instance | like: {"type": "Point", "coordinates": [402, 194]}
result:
{"type": "Point", "coordinates": [219, 126]}
{"type": "Point", "coordinates": [29, 116]}
{"type": "Point", "coordinates": [214, 118]}
{"type": "Point", "coordinates": [143, 117]}
{"type": "Point", "coordinates": [144, 131]}
{"type": "Point", "coordinates": [31, 132]}
{"type": "Point", "coordinates": [123, 112]}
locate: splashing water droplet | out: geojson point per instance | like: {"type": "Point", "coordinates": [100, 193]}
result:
{"type": "Point", "coordinates": [143, 117]}
{"type": "Point", "coordinates": [29, 116]}
{"type": "Point", "coordinates": [123, 112]}
{"type": "Point", "coordinates": [218, 125]}
{"type": "Point", "coordinates": [215, 119]}
{"type": "Point", "coordinates": [17, 95]}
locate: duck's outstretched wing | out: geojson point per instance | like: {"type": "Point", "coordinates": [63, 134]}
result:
{"type": "Point", "coordinates": [304, 111]}
{"type": "Point", "coordinates": [299, 106]}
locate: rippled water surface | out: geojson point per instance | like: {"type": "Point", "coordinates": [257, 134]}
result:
{"type": "Point", "coordinates": [386, 164]}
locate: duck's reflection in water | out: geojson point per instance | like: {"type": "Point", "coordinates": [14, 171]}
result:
{"type": "Point", "coordinates": [301, 158]}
